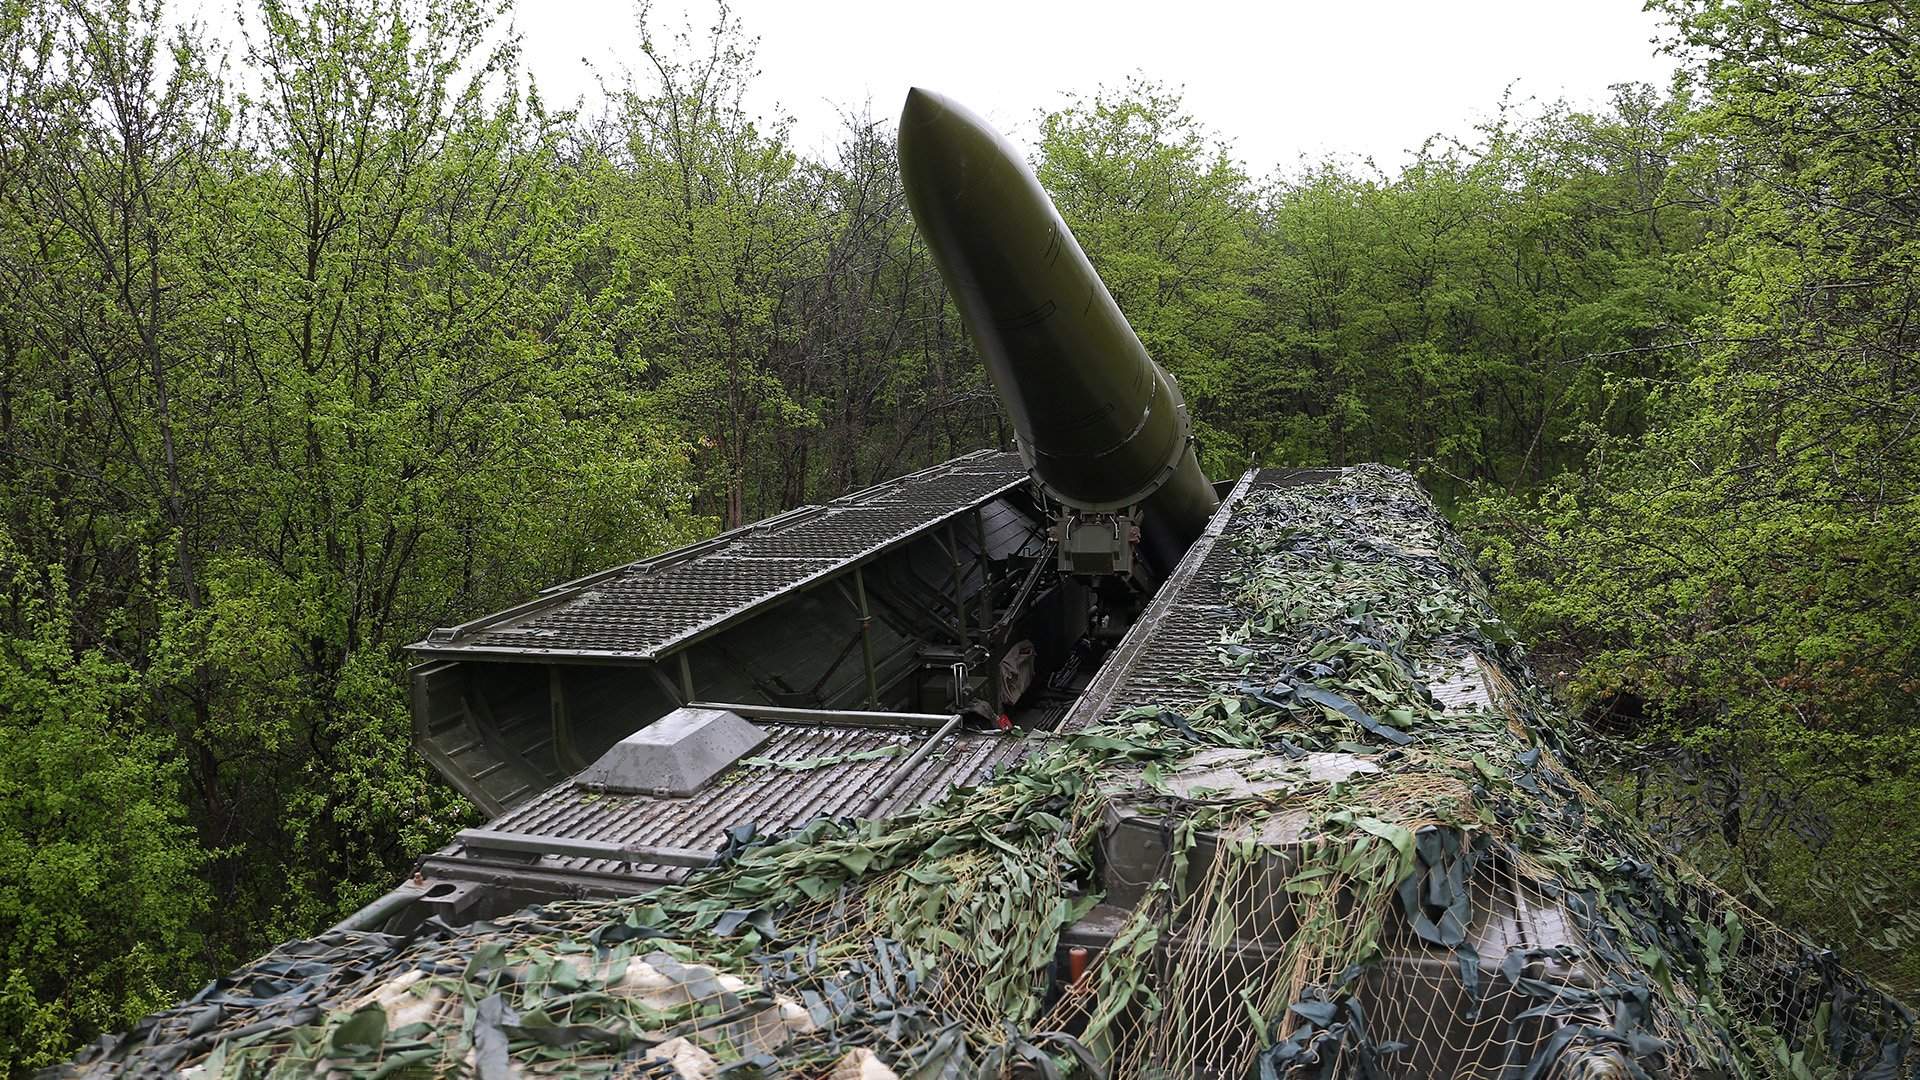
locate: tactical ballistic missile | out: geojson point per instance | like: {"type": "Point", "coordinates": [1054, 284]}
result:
{"type": "Point", "coordinates": [1101, 426]}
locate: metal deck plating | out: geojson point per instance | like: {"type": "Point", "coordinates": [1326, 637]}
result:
{"type": "Point", "coordinates": [644, 609]}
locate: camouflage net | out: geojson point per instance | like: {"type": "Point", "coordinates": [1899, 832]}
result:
{"type": "Point", "coordinates": [1383, 886]}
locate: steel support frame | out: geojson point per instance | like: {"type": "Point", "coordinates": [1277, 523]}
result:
{"type": "Point", "coordinates": [866, 636]}
{"type": "Point", "coordinates": [959, 587]}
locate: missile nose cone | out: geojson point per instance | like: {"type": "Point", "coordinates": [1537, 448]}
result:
{"type": "Point", "coordinates": [920, 106]}
{"type": "Point", "coordinates": [969, 190]}
{"type": "Point", "coordinates": [927, 108]}
{"type": "Point", "coordinates": [940, 141]}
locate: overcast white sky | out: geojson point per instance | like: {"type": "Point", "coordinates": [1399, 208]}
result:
{"type": "Point", "coordinates": [1280, 79]}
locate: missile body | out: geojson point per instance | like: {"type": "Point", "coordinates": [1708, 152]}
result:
{"type": "Point", "coordinates": [1102, 427]}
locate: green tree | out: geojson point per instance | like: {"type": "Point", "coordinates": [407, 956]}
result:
{"type": "Point", "coordinates": [1461, 317]}
{"type": "Point", "coordinates": [110, 128]}
{"type": "Point", "coordinates": [101, 894]}
{"type": "Point", "coordinates": [715, 218]}
{"type": "Point", "coordinates": [1750, 567]}
{"type": "Point", "coordinates": [291, 376]}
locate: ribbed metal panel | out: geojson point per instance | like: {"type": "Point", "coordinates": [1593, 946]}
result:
{"type": "Point", "coordinates": [639, 611]}
{"type": "Point", "coordinates": [772, 798]}
{"type": "Point", "coordinates": [1170, 657]}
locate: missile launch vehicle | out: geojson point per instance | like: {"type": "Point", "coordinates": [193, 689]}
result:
{"type": "Point", "coordinates": [1056, 760]}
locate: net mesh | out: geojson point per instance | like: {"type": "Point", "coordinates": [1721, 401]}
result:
{"type": "Point", "coordinates": [1320, 870]}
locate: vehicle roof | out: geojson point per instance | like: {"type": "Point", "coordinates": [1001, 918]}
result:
{"type": "Point", "coordinates": [644, 609]}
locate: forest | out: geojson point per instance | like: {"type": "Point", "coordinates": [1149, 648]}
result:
{"type": "Point", "coordinates": [321, 336]}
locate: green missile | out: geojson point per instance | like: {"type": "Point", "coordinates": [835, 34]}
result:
{"type": "Point", "coordinates": [1102, 427]}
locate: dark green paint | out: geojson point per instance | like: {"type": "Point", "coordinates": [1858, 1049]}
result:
{"type": "Point", "coordinates": [1102, 426]}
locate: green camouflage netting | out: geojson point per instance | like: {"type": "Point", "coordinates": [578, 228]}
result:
{"type": "Point", "coordinates": [1388, 887]}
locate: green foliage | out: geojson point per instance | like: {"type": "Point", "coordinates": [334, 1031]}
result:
{"type": "Point", "coordinates": [1460, 316]}
{"type": "Point", "coordinates": [291, 377]}
{"type": "Point", "coordinates": [1749, 566]}
{"type": "Point", "coordinates": [719, 211]}
{"type": "Point", "coordinates": [100, 889]}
